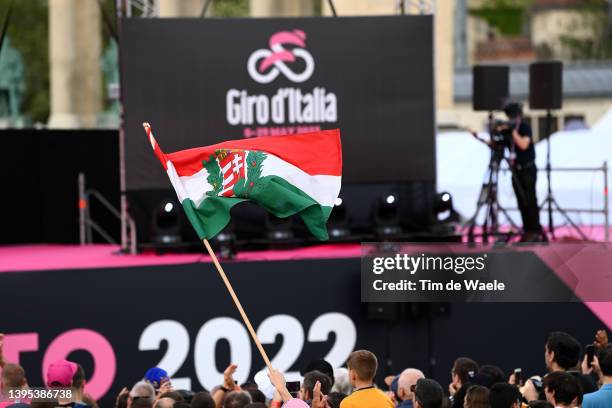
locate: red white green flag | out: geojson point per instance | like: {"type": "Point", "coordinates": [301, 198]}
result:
{"type": "Point", "coordinates": [286, 175]}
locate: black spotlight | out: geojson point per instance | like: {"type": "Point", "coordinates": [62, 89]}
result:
{"type": "Point", "coordinates": [386, 216]}
{"type": "Point", "coordinates": [279, 229]}
{"type": "Point", "coordinates": [443, 207]}
{"type": "Point", "coordinates": [166, 223]}
{"type": "Point", "coordinates": [337, 225]}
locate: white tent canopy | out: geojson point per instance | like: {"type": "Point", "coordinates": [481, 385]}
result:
{"type": "Point", "coordinates": [462, 163]}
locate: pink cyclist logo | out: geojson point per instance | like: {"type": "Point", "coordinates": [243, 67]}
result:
{"type": "Point", "coordinates": [265, 65]}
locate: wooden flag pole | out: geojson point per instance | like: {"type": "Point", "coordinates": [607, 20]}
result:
{"type": "Point", "coordinates": [230, 289]}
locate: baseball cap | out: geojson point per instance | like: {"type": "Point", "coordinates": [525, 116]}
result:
{"type": "Point", "coordinates": [429, 393]}
{"type": "Point", "coordinates": [156, 376]}
{"type": "Point", "coordinates": [60, 373]}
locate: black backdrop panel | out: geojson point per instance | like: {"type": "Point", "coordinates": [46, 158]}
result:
{"type": "Point", "coordinates": [42, 183]}
{"type": "Point", "coordinates": [372, 77]}
{"type": "Point", "coordinates": [184, 311]}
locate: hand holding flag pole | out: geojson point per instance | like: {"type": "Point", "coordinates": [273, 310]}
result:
{"type": "Point", "coordinates": [226, 281]}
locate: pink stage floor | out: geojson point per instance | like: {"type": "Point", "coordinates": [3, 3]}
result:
{"type": "Point", "coordinates": [48, 257]}
{"type": "Point", "coordinates": [593, 233]}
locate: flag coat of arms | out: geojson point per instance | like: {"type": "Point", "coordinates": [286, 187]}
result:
{"type": "Point", "coordinates": [286, 175]}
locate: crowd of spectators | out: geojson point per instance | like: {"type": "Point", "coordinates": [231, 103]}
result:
{"type": "Point", "coordinates": [573, 379]}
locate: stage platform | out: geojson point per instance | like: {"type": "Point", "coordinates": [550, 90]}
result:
{"type": "Point", "coordinates": [50, 257]}
{"type": "Point", "coordinates": [31, 258]}
{"type": "Point", "coordinates": [115, 314]}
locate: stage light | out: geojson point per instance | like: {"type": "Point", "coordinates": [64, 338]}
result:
{"type": "Point", "coordinates": [443, 208]}
{"type": "Point", "coordinates": [166, 224]}
{"type": "Point", "coordinates": [386, 217]}
{"type": "Point", "coordinates": [337, 225]}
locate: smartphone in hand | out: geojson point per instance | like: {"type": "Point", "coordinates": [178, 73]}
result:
{"type": "Point", "coordinates": [518, 380]}
{"type": "Point", "coordinates": [590, 353]}
{"type": "Point", "coordinates": [293, 387]}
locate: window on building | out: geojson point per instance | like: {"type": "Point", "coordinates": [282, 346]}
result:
{"type": "Point", "coordinates": [574, 122]}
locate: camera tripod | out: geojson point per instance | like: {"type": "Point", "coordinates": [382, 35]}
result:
{"type": "Point", "coordinates": [549, 202]}
{"type": "Point", "coordinates": [487, 198]}
{"type": "Point", "coordinates": [489, 201]}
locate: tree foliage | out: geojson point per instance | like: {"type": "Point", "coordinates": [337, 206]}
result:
{"type": "Point", "coordinates": [29, 32]}
{"type": "Point", "coordinates": [508, 16]}
{"type": "Point", "coordinates": [231, 8]}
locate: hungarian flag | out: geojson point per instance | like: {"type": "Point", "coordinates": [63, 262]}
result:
{"type": "Point", "coordinates": [286, 175]}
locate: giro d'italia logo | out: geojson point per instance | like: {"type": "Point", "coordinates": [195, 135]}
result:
{"type": "Point", "coordinates": [265, 65]}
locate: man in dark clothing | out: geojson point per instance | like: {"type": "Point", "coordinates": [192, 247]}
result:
{"type": "Point", "coordinates": [519, 140]}
{"type": "Point", "coordinates": [561, 354]}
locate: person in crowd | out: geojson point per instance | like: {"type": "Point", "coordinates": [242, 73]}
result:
{"type": "Point", "coordinates": [67, 374]}
{"type": "Point", "coordinates": [164, 402]}
{"type": "Point", "coordinates": [156, 377]}
{"type": "Point", "coordinates": [540, 404]}
{"type": "Point", "coordinates": [122, 398]}
{"type": "Point", "coordinates": [562, 389]}
{"type": "Point", "coordinates": [256, 405]}
{"type": "Point", "coordinates": [141, 390]}
{"type": "Point", "coordinates": [334, 399]}
{"type": "Point", "coordinates": [405, 381]}
{"type": "Point", "coordinates": [143, 403]}
{"type": "Point", "coordinates": [602, 365]}
{"type": "Point", "coordinates": [295, 403]}
{"type": "Point", "coordinates": [309, 381]}
{"type": "Point", "coordinates": [427, 394]}
{"type": "Point", "coordinates": [462, 374]}
{"type": "Point", "coordinates": [229, 385]}
{"type": "Point", "coordinates": [237, 399]}
{"type": "Point", "coordinates": [60, 373]}
{"type": "Point", "coordinates": [561, 353]}
{"type": "Point", "coordinates": [44, 403]}
{"type": "Point", "coordinates": [256, 395]}
{"type": "Point", "coordinates": [391, 383]}
{"type": "Point", "coordinates": [362, 366]}
{"type": "Point", "coordinates": [477, 396]}
{"type": "Point", "coordinates": [253, 389]}
{"type": "Point", "coordinates": [495, 373]}
{"type": "Point", "coordinates": [341, 381]}
{"type": "Point", "coordinates": [504, 395]}
{"type": "Point", "coordinates": [13, 376]}
{"type": "Point", "coordinates": [278, 381]}
{"type": "Point", "coordinates": [319, 365]}
{"type": "Point", "coordinates": [79, 398]}
{"type": "Point", "coordinates": [249, 385]}
{"type": "Point", "coordinates": [90, 401]}
{"type": "Point", "coordinates": [202, 399]}
{"type": "Point", "coordinates": [174, 395]}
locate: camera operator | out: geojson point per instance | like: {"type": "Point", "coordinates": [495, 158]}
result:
{"type": "Point", "coordinates": [518, 139]}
